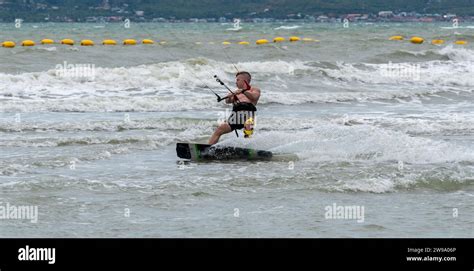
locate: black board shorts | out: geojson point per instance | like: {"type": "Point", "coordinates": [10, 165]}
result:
{"type": "Point", "coordinates": [240, 113]}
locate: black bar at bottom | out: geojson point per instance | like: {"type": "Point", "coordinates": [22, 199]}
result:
{"type": "Point", "coordinates": [408, 254]}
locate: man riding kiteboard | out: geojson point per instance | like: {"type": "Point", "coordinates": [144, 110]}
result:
{"type": "Point", "coordinates": [244, 101]}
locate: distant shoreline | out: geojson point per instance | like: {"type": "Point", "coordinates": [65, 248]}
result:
{"type": "Point", "coordinates": [265, 20]}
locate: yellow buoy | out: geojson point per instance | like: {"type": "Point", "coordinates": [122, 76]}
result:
{"type": "Point", "coordinates": [292, 39]}
{"type": "Point", "coordinates": [309, 40]}
{"type": "Point", "coordinates": [226, 43]}
{"type": "Point", "coordinates": [396, 38]}
{"type": "Point", "coordinates": [261, 41]}
{"type": "Point", "coordinates": [244, 43]}
{"type": "Point", "coordinates": [148, 41]}
{"type": "Point", "coordinates": [162, 42]}
{"type": "Point", "coordinates": [47, 41]}
{"type": "Point", "coordinates": [87, 43]}
{"type": "Point", "coordinates": [417, 40]}
{"type": "Point", "coordinates": [129, 42]}
{"type": "Point", "coordinates": [109, 42]}
{"type": "Point", "coordinates": [67, 42]}
{"type": "Point", "coordinates": [8, 44]}
{"type": "Point", "coordinates": [28, 43]}
{"type": "Point", "coordinates": [278, 39]}
{"type": "Point", "coordinates": [437, 42]}
{"type": "Point", "coordinates": [461, 42]}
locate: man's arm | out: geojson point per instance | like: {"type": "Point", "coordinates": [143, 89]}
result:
{"type": "Point", "coordinates": [230, 99]}
{"type": "Point", "coordinates": [253, 94]}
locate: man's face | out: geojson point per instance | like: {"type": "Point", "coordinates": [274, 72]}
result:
{"type": "Point", "coordinates": [240, 81]}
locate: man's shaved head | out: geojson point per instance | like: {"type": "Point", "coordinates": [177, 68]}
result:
{"type": "Point", "coordinates": [247, 75]}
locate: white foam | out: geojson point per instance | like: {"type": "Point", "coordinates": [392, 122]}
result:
{"type": "Point", "coordinates": [287, 27]}
{"type": "Point", "coordinates": [234, 29]}
{"type": "Point", "coordinates": [439, 73]}
{"type": "Point", "coordinates": [457, 53]}
{"type": "Point", "coordinates": [180, 85]}
{"type": "Point", "coordinates": [48, 49]}
{"type": "Point", "coordinates": [458, 27]}
{"type": "Point", "coordinates": [330, 140]}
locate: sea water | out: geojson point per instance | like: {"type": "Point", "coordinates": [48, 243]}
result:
{"type": "Point", "coordinates": [88, 134]}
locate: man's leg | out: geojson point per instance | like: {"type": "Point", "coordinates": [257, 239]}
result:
{"type": "Point", "coordinates": [224, 128]}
